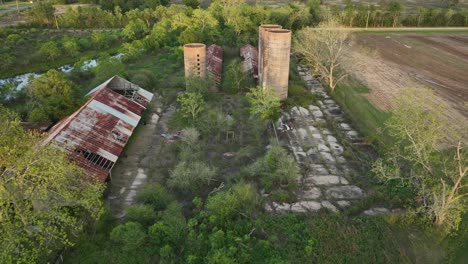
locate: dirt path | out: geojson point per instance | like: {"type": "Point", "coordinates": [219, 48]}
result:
{"type": "Point", "coordinates": [132, 169]}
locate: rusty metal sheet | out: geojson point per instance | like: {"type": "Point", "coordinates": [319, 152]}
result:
{"type": "Point", "coordinates": [250, 63]}
{"type": "Point", "coordinates": [214, 62]}
{"type": "Point", "coordinates": [95, 135]}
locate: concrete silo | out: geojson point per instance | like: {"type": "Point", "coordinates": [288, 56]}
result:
{"type": "Point", "coordinates": [261, 39]}
{"type": "Point", "coordinates": [276, 53]}
{"type": "Point", "coordinates": [195, 60]}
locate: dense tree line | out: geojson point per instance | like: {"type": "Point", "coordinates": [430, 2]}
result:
{"type": "Point", "coordinates": [394, 13]}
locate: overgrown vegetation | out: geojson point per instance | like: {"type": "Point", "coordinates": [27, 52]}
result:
{"type": "Point", "coordinates": [204, 203]}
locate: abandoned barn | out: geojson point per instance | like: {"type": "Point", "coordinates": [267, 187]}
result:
{"type": "Point", "coordinates": [95, 135]}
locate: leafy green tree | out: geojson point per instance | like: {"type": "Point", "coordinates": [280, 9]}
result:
{"type": "Point", "coordinates": [236, 80]}
{"type": "Point", "coordinates": [50, 50]}
{"type": "Point", "coordinates": [263, 102]}
{"type": "Point", "coordinates": [141, 213]}
{"type": "Point", "coordinates": [324, 49]}
{"type": "Point", "coordinates": [132, 51]}
{"type": "Point", "coordinates": [99, 39]}
{"type": "Point", "coordinates": [190, 148]}
{"type": "Point", "coordinates": [130, 236]}
{"type": "Point", "coordinates": [108, 67]}
{"type": "Point", "coordinates": [225, 208]}
{"type": "Point", "coordinates": [71, 47]}
{"type": "Point", "coordinates": [275, 169]}
{"type": "Point", "coordinates": [6, 61]}
{"type": "Point", "coordinates": [41, 13]}
{"type": "Point", "coordinates": [45, 200]}
{"type": "Point", "coordinates": [420, 130]}
{"type": "Point", "coordinates": [51, 97]}
{"type": "Point", "coordinates": [191, 176]}
{"type": "Point", "coordinates": [191, 3]}
{"type": "Point", "coordinates": [135, 29]}
{"type": "Point", "coordinates": [170, 231]}
{"type": "Point", "coordinates": [156, 196]}
{"type": "Point", "coordinates": [395, 8]}
{"type": "Point", "coordinates": [191, 104]}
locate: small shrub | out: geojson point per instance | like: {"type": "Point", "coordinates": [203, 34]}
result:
{"type": "Point", "coordinates": [275, 169]}
{"type": "Point", "coordinates": [156, 196]}
{"type": "Point", "coordinates": [129, 235]}
{"type": "Point", "coordinates": [141, 213]}
{"type": "Point", "coordinates": [298, 95]}
{"type": "Point", "coordinates": [191, 176]}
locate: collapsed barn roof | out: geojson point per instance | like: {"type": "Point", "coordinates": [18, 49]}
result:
{"type": "Point", "coordinates": [250, 63]}
{"type": "Point", "coordinates": [95, 135]}
{"type": "Point", "coordinates": [214, 62]}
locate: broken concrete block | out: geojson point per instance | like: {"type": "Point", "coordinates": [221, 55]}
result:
{"type": "Point", "coordinates": [329, 206]}
{"type": "Point", "coordinates": [328, 158]}
{"type": "Point", "coordinates": [344, 192]}
{"type": "Point", "coordinates": [343, 203]}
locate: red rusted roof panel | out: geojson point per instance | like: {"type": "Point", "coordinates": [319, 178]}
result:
{"type": "Point", "coordinates": [214, 62]}
{"type": "Point", "coordinates": [95, 135]}
{"type": "Point", "coordinates": [250, 55]}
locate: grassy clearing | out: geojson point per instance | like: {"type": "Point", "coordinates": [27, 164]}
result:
{"type": "Point", "coordinates": [369, 120]}
{"type": "Point", "coordinates": [8, 5]}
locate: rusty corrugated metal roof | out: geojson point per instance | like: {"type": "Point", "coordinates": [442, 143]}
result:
{"type": "Point", "coordinates": [95, 135]}
{"type": "Point", "coordinates": [214, 61]}
{"type": "Point", "coordinates": [250, 63]}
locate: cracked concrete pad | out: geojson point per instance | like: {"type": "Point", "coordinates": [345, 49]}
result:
{"type": "Point", "coordinates": [269, 208]}
{"type": "Point", "coordinates": [333, 169]}
{"type": "Point", "coordinates": [311, 194]}
{"type": "Point", "coordinates": [311, 205]}
{"type": "Point", "coordinates": [343, 203]}
{"type": "Point", "coordinates": [302, 133]}
{"type": "Point", "coordinates": [376, 211]}
{"type": "Point", "coordinates": [352, 134]}
{"type": "Point", "coordinates": [319, 169]}
{"type": "Point", "coordinates": [345, 126]}
{"type": "Point", "coordinates": [297, 208]}
{"type": "Point", "coordinates": [329, 206]}
{"type": "Point", "coordinates": [323, 147]}
{"type": "Point", "coordinates": [282, 207]}
{"type": "Point", "coordinates": [303, 111]}
{"type": "Point", "coordinates": [154, 119]}
{"type": "Point", "coordinates": [317, 114]}
{"type": "Point", "coordinates": [336, 148]}
{"type": "Point", "coordinates": [295, 112]}
{"type": "Point", "coordinates": [317, 136]}
{"type": "Point", "coordinates": [313, 108]}
{"type": "Point", "coordinates": [344, 181]}
{"type": "Point", "coordinates": [313, 129]}
{"type": "Point", "coordinates": [324, 180]}
{"type": "Point", "coordinates": [341, 159]}
{"type": "Point", "coordinates": [344, 192]}
{"type": "Point", "coordinates": [327, 157]}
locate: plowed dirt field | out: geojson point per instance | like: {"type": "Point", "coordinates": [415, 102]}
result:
{"type": "Point", "coordinates": [390, 62]}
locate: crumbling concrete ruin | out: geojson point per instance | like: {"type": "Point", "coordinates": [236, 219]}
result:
{"type": "Point", "coordinates": [198, 60]}
{"type": "Point", "coordinates": [195, 60]}
{"type": "Point", "coordinates": [274, 47]}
